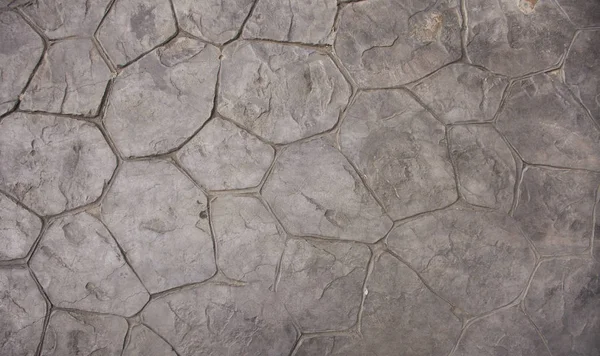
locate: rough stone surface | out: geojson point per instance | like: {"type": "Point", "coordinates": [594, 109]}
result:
{"type": "Point", "coordinates": [517, 37]}
{"type": "Point", "coordinates": [22, 311]}
{"type": "Point", "coordinates": [72, 79]}
{"type": "Point", "coordinates": [52, 163]}
{"type": "Point", "coordinates": [80, 266]}
{"type": "Point", "coordinates": [160, 220]}
{"type": "Point", "coordinates": [478, 260]}
{"type": "Point", "coordinates": [546, 125]}
{"type": "Point", "coordinates": [19, 228]}
{"type": "Point", "coordinates": [555, 209]}
{"type": "Point", "coordinates": [485, 167]}
{"type": "Point", "coordinates": [20, 52]}
{"type": "Point", "coordinates": [314, 190]}
{"type": "Point", "coordinates": [223, 156]}
{"type": "Point", "coordinates": [280, 92]}
{"type": "Point", "coordinates": [400, 150]}
{"type": "Point", "coordinates": [332, 346]}
{"type": "Point", "coordinates": [384, 42]}
{"type": "Point", "coordinates": [144, 341]}
{"type": "Point", "coordinates": [161, 100]}
{"type": "Point", "coordinates": [73, 333]}
{"type": "Point", "coordinates": [582, 13]}
{"type": "Point", "coordinates": [564, 302]}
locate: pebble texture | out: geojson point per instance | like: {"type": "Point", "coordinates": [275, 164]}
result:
{"type": "Point", "coordinates": [19, 228]}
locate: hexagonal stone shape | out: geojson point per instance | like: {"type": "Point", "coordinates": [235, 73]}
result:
{"type": "Point", "coordinates": [135, 27]}
{"type": "Point", "coordinates": [400, 150]}
{"type": "Point", "coordinates": [222, 320]}
{"type": "Point", "coordinates": [144, 341]}
{"type": "Point", "coordinates": [555, 209]}
{"type": "Point", "coordinates": [564, 302]}
{"type": "Point", "coordinates": [546, 125]}
{"type": "Point", "coordinates": [52, 164]}
{"type": "Point", "coordinates": [314, 190]}
{"type": "Point", "coordinates": [217, 21]}
{"type": "Point", "coordinates": [22, 312]}
{"type": "Point", "coordinates": [582, 13]}
{"type": "Point", "coordinates": [517, 37]}
{"type": "Point", "coordinates": [321, 283]}
{"type": "Point", "coordinates": [158, 102]}
{"type": "Point", "coordinates": [294, 21]}
{"type": "Point", "coordinates": [79, 265]}
{"type": "Point", "coordinates": [75, 333]}
{"type": "Point", "coordinates": [385, 42]}
{"type": "Point", "coordinates": [159, 218]}
{"type": "Point", "coordinates": [20, 51]}
{"type": "Point", "coordinates": [222, 156]}
{"type": "Point", "coordinates": [476, 259]}
{"type": "Point", "coordinates": [461, 92]}
{"type": "Point", "coordinates": [485, 166]}
{"type": "Point", "coordinates": [72, 79]}
{"type": "Point", "coordinates": [19, 228]}
{"type": "Point", "coordinates": [249, 241]}
{"type": "Point", "coordinates": [280, 92]}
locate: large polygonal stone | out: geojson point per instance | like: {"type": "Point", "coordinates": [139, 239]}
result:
{"type": "Point", "coordinates": [582, 13]}
{"type": "Point", "coordinates": [20, 51]}
{"type": "Point", "coordinates": [478, 260]}
{"type": "Point", "coordinates": [223, 156]}
{"type": "Point", "coordinates": [546, 125]}
{"type": "Point", "coordinates": [161, 100]}
{"type": "Point", "coordinates": [314, 190]}
{"type": "Point", "coordinates": [400, 149]}
{"type": "Point", "coordinates": [134, 27]}
{"type": "Point", "coordinates": [143, 341]}
{"type": "Point", "coordinates": [321, 283]}
{"type": "Point", "coordinates": [516, 37]}
{"type": "Point", "coordinates": [280, 92]}
{"type": "Point", "coordinates": [72, 79]}
{"type": "Point", "coordinates": [385, 42]}
{"type": "Point", "coordinates": [79, 265]}
{"type": "Point", "coordinates": [18, 229]}
{"type": "Point", "coordinates": [52, 163]}
{"type": "Point", "coordinates": [22, 312]}
{"type": "Point", "coordinates": [159, 218]}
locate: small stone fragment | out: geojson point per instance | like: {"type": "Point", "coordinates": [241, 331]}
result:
{"type": "Point", "coordinates": [281, 92]}
{"type": "Point", "coordinates": [144, 342]}
{"type": "Point", "coordinates": [222, 156]}
{"type": "Point", "coordinates": [583, 13]}
{"type": "Point", "coordinates": [19, 228]}
{"type": "Point", "coordinates": [72, 79]}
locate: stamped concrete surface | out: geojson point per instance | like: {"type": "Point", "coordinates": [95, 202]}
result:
{"type": "Point", "coordinates": [300, 178]}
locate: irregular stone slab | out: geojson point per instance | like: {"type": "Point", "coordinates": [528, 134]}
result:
{"type": "Point", "coordinates": [217, 21]}
{"type": "Point", "coordinates": [13, 3]}
{"type": "Point", "coordinates": [514, 38]}
{"type": "Point", "coordinates": [144, 341]}
{"type": "Point", "coordinates": [52, 164]}
{"type": "Point", "coordinates": [582, 69]}
{"type": "Point", "coordinates": [321, 283]}
{"type": "Point", "coordinates": [477, 260]}
{"type": "Point", "coordinates": [223, 156]}
{"type": "Point", "coordinates": [279, 92]}
{"type": "Point", "coordinates": [79, 265]}
{"type": "Point", "coordinates": [582, 13]}
{"type": "Point", "coordinates": [22, 312]}
{"type": "Point", "coordinates": [333, 346]}
{"type": "Point", "coordinates": [73, 333]}
{"type": "Point", "coordinates": [564, 302]}
{"type": "Point", "coordinates": [400, 150]}
{"type": "Point", "coordinates": [385, 42]}
{"type": "Point", "coordinates": [314, 190]}
{"type": "Point", "coordinates": [555, 209]}
{"type": "Point", "coordinates": [249, 242]}
{"type": "Point", "coordinates": [19, 229]}
{"type": "Point", "coordinates": [294, 21]}
{"type": "Point", "coordinates": [161, 100]}
{"type": "Point", "coordinates": [485, 166]}
{"type": "Point", "coordinates": [72, 79]}
{"type": "Point", "coordinates": [460, 92]}
{"type": "Point", "coordinates": [546, 125]}
{"type": "Point", "coordinates": [222, 320]}
{"type": "Point", "coordinates": [159, 218]}
{"type": "Point", "coordinates": [135, 27]}
{"type": "Point", "coordinates": [20, 52]}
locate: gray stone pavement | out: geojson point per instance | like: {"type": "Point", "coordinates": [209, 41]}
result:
{"type": "Point", "coordinates": [300, 177]}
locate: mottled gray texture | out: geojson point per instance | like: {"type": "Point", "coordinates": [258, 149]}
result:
{"type": "Point", "coordinates": [400, 150]}
{"type": "Point", "coordinates": [279, 92]}
{"type": "Point", "coordinates": [144, 342]}
{"type": "Point", "coordinates": [583, 13]}
{"type": "Point", "coordinates": [19, 228]}
{"type": "Point", "coordinates": [333, 346]}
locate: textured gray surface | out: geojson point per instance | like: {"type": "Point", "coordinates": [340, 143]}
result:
{"type": "Point", "coordinates": [300, 178]}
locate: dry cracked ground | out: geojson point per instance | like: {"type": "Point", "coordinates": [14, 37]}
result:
{"type": "Point", "coordinates": [300, 177]}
